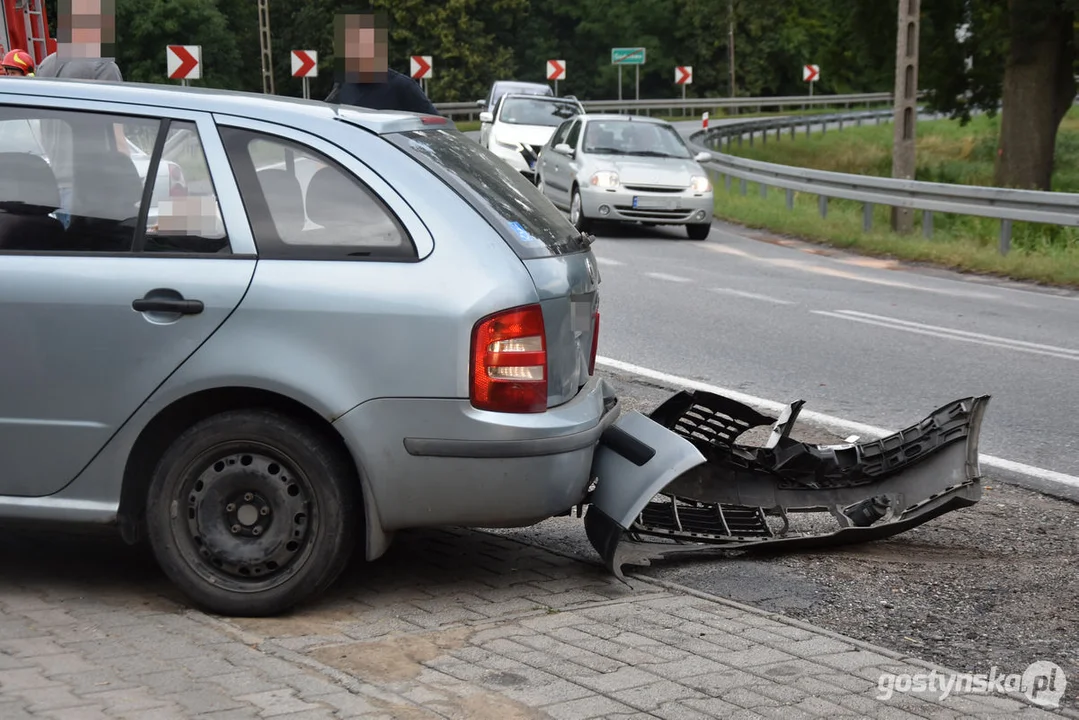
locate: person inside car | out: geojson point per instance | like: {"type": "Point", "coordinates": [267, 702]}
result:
{"type": "Point", "coordinates": [362, 72]}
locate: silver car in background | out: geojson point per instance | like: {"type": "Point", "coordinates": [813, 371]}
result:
{"type": "Point", "coordinates": [625, 168]}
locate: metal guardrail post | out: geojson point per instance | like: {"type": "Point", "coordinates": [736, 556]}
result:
{"type": "Point", "coordinates": [743, 188]}
{"type": "Point", "coordinates": [822, 205]}
{"type": "Point", "coordinates": [790, 199]}
{"type": "Point", "coordinates": [867, 217]}
{"type": "Point", "coordinates": [764, 191]}
{"type": "Point", "coordinates": [927, 223]}
{"type": "Point", "coordinates": [1005, 236]}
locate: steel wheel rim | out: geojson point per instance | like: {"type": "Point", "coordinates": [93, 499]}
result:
{"type": "Point", "coordinates": [246, 517]}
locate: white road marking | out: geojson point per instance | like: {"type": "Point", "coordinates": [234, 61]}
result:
{"type": "Point", "coordinates": [950, 334]}
{"type": "Point", "coordinates": [668, 278]}
{"type": "Point", "coordinates": [837, 425]}
{"type": "Point", "coordinates": [751, 296]}
{"type": "Point", "coordinates": [805, 264]}
{"type": "Point", "coordinates": [608, 261]}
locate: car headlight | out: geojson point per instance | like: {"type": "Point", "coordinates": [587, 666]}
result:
{"type": "Point", "coordinates": [700, 183]}
{"type": "Point", "coordinates": [605, 178]}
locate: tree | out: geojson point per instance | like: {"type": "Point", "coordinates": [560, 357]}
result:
{"type": "Point", "coordinates": [145, 27]}
{"type": "Point", "coordinates": [1017, 56]}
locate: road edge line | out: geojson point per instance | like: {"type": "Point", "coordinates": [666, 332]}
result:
{"type": "Point", "coordinates": [1047, 482]}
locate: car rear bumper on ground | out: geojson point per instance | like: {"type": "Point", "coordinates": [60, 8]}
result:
{"type": "Point", "coordinates": [432, 462]}
{"type": "Point", "coordinates": [665, 208]}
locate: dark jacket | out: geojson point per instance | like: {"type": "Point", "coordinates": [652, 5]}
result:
{"type": "Point", "coordinates": [398, 92]}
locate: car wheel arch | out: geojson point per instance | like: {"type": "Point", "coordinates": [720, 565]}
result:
{"type": "Point", "coordinates": [156, 436]}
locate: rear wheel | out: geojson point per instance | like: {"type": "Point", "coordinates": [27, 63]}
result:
{"type": "Point", "coordinates": [699, 232]}
{"type": "Point", "coordinates": [576, 213]}
{"type": "Point", "coordinates": [250, 513]}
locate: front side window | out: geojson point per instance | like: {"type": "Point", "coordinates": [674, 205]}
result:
{"type": "Point", "coordinates": [574, 134]}
{"type": "Point", "coordinates": [303, 205]}
{"type": "Point", "coordinates": [70, 181]}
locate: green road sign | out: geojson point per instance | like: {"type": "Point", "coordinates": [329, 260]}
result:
{"type": "Point", "coordinates": [627, 56]}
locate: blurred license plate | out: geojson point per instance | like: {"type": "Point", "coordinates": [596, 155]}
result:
{"type": "Point", "coordinates": [650, 203]}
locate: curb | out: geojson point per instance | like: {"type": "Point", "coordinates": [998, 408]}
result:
{"type": "Point", "coordinates": [786, 620]}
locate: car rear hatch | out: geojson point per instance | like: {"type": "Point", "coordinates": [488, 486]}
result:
{"type": "Point", "coordinates": [558, 257]}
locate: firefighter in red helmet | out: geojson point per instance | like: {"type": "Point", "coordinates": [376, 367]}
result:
{"type": "Point", "coordinates": [18, 63]}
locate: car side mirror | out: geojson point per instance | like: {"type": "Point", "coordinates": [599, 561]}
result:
{"type": "Point", "coordinates": [486, 117]}
{"type": "Point", "coordinates": [481, 103]}
{"type": "Point", "coordinates": [563, 149]}
{"type": "Point", "coordinates": [703, 157]}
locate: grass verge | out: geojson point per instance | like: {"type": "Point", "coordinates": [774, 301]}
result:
{"type": "Point", "coordinates": [970, 246]}
{"type": "Point", "coordinates": [947, 152]}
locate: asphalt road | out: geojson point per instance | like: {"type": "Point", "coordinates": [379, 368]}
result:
{"type": "Point", "coordinates": [854, 338]}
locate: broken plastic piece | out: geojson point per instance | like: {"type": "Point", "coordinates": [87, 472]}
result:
{"type": "Point", "coordinates": [784, 493]}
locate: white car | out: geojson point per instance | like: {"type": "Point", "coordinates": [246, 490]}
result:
{"type": "Point", "coordinates": [522, 124]}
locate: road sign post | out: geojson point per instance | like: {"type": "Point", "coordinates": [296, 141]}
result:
{"type": "Point", "coordinates": [305, 65]}
{"type": "Point", "coordinates": [628, 56]}
{"type": "Point", "coordinates": [183, 62]}
{"type": "Point", "coordinates": [556, 70]}
{"type": "Point", "coordinates": [683, 75]}
{"type": "Point", "coordinates": [810, 74]}
{"type": "Point", "coordinates": [421, 69]}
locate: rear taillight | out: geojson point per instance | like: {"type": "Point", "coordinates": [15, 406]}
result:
{"type": "Point", "coordinates": [509, 362]}
{"type": "Point", "coordinates": [595, 344]}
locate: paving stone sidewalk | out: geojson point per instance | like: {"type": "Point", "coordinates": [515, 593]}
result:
{"type": "Point", "coordinates": [450, 624]}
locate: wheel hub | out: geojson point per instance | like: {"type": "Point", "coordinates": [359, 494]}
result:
{"type": "Point", "coordinates": [248, 515]}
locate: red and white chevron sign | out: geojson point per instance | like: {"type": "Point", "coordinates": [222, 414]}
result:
{"type": "Point", "coordinates": [811, 73]}
{"type": "Point", "coordinates": [184, 62]}
{"type": "Point", "coordinates": [420, 66]}
{"type": "Point", "coordinates": [304, 63]}
{"type": "Point", "coordinates": [556, 69]}
{"type": "Point", "coordinates": [683, 75]}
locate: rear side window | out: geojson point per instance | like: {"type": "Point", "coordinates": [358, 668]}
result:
{"type": "Point", "coordinates": [532, 225]}
{"type": "Point", "coordinates": [304, 206]}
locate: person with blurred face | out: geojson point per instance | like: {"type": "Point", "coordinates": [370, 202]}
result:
{"type": "Point", "coordinates": [363, 75]}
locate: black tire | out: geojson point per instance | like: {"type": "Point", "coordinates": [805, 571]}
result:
{"type": "Point", "coordinates": [581, 223]}
{"type": "Point", "coordinates": [699, 231]}
{"type": "Point", "coordinates": [214, 499]}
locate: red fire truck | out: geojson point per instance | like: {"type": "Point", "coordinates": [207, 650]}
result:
{"type": "Point", "coordinates": [24, 26]}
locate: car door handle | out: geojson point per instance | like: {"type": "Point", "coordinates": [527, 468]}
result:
{"type": "Point", "coordinates": [168, 305]}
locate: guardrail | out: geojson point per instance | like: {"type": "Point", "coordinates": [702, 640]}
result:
{"type": "Point", "coordinates": [471, 111]}
{"type": "Point", "coordinates": [1004, 204]}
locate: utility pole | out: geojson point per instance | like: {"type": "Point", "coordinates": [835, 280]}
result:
{"type": "Point", "coordinates": [730, 40]}
{"type": "Point", "coordinates": [904, 157]}
{"type": "Point", "coordinates": [264, 41]}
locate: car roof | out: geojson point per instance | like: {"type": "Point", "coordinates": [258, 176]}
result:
{"type": "Point", "coordinates": [270, 108]}
{"type": "Point", "coordinates": [541, 98]}
{"type": "Point", "coordinates": [594, 117]}
{"type": "Point", "coordinates": [522, 85]}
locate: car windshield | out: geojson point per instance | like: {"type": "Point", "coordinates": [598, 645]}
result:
{"type": "Point", "coordinates": [628, 137]}
{"type": "Point", "coordinates": [513, 205]}
{"type": "Point", "coordinates": [537, 111]}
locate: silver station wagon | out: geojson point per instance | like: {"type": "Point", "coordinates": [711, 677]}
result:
{"type": "Point", "coordinates": [347, 324]}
